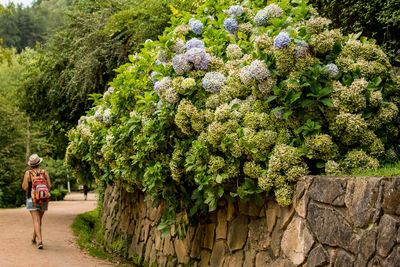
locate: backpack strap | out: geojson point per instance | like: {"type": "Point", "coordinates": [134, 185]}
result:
{"type": "Point", "coordinates": [35, 174]}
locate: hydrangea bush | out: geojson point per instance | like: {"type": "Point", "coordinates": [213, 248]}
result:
{"type": "Point", "coordinates": [239, 101]}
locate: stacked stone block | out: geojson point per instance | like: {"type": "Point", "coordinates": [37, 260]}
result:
{"type": "Point", "coordinates": [334, 221]}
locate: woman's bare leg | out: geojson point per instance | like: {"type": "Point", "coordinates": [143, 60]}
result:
{"type": "Point", "coordinates": [41, 213]}
{"type": "Point", "coordinates": [34, 231]}
{"type": "Point", "coordinates": [36, 225]}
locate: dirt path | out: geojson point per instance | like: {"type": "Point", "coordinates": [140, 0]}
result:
{"type": "Point", "coordinates": [60, 249]}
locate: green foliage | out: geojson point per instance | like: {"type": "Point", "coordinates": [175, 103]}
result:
{"type": "Point", "coordinates": [58, 194]}
{"type": "Point", "coordinates": [375, 19]}
{"type": "Point", "coordinates": [392, 169]}
{"type": "Point", "coordinates": [58, 171]}
{"type": "Point", "coordinates": [13, 139]}
{"type": "Point", "coordinates": [22, 27]}
{"type": "Point", "coordinates": [12, 150]}
{"type": "Point", "coordinates": [87, 228]}
{"type": "Point", "coordinates": [80, 58]}
{"type": "Point", "coordinates": [90, 237]}
{"type": "Point", "coordinates": [243, 117]}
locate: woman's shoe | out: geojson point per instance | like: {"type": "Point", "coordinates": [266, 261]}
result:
{"type": "Point", "coordinates": [40, 245]}
{"type": "Point", "coordinates": [33, 242]}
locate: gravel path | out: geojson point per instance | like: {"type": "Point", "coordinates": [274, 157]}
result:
{"type": "Point", "coordinates": [60, 248]}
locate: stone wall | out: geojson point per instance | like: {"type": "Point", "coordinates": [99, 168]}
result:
{"type": "Point", "coordinates": [333, 222]}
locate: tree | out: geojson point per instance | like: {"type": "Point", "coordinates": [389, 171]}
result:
{"type": "Point", "coordinates": [18, 136]}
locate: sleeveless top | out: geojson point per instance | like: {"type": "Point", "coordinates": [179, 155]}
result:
{"type": "Point", "coordinates": [28, 192]}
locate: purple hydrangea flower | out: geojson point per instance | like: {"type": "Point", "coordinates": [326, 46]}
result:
{"type": "Point", "coordinates": [282, 40]}
{"type": "Point", "coordinates": [213, 82]}
{"type": "Point", "coordinates": [181, 64]}
{"type": "Point", "coordinates": [231, 25]}
{"type": "Point", "coordinates": [332, 70]}
{"type": "Point", "coordinates": [163, 85]}
{"type": "Point", "coordinates": [157, 87]}
{"type": "Point", "coordinates": [236, 11]}
{"type": "Point", "coordinates": [199, 58]}
{"type": "Point", "coordinates": [302, 49]}
{"type": "Point", "coordinates": [196, 26]}
{"type": "Point", "coordinates": [194, 43]}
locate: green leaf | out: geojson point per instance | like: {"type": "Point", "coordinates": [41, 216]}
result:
{"type": "Point", "coordinates": [287, 114]}
{"type": "Point", "coordinates": [320, 164]}
{"type": "Point", "coordinates": [271, 98]}
{"type": "Point", "coordinates": [327, 102]}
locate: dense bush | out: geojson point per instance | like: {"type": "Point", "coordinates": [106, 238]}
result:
{"type": "Point", "coordinates": [379, 19]}
{"type": "Point", "coordinates": [58, 194]}
{"type": "Point", "coordinates": [80, 58]}
{"type": "Point", "coordinates": [240, 101]}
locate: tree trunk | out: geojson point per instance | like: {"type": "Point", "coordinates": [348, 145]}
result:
{"type": "Point", "coordinates": [28, 138]}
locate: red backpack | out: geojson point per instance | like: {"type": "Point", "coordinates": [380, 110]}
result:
{"type": "Point", "coordinates": [40, 192]}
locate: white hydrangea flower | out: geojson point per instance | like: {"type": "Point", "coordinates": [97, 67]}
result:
{"type": "Point", "coordinates": [213, 82]}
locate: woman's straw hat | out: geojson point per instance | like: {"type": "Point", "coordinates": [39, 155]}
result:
{"type": "Point", "coordinates": [34, 160]}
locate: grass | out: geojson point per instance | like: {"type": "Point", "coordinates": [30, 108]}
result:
{"type": "Point", "coordinates": [87, 229]}
{"type": "Point", "coordinates": [386, 170]}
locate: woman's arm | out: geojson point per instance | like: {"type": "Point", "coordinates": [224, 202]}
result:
{"type": "Point", "coordinates": [25, 181]}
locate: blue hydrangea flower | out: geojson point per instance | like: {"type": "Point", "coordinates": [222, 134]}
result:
{"type": "Point", "coordinates": [213, 82]}
{"type": "Point", "coordinates": [181, 64]}
{"type": "Point", "coordinates": [194, 43]}
{"type": "Point", "coordinates": [199, 58]}
{"type": "Point", "coordinates": [261, 18]}
{"type": "Point", "coordinates": [282, 40]}
{"type": "Point", "coordinates": [302, 49]}
{"type": "Point", "coordinates": [236, 11]}
{"type": "Point", "coordinates": [196, 26]}
{"type": "Point", "coordinates": [332, 70]}
{"type": "Point", "coordinates": [231, 25]}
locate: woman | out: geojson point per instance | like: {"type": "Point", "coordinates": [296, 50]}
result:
{"type": "Point", "coordinates": [36, 209]}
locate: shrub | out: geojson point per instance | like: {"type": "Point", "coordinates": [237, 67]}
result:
{"type": "Point", "coordinates": [58, 194]}
{"type": "Point", "coordinates": [240, 114]}
{"type": "Point", "coordinates": [375, 19]}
